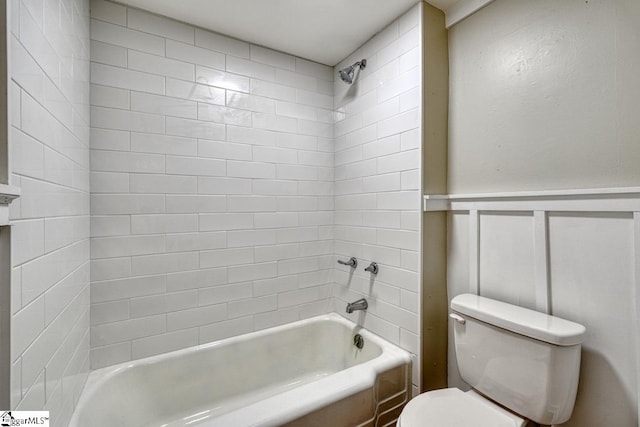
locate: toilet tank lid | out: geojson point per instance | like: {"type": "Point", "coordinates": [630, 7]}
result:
{"type": "Point", "coordinates": [520, 320]}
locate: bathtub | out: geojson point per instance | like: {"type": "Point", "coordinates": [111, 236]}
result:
{"type": "Point", "coordinates": [307, 373]}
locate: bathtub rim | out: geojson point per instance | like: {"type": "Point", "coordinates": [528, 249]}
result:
{"type": "Point", "coordinates": [332, 388]}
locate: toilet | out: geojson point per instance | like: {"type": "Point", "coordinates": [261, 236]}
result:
{"type": "Point", "coordinates": [522, 365]}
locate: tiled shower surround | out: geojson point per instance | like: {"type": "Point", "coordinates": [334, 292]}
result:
{"type": "Point", "coordinates": [213, 209]}
{"type": "Point", "coordinates": [211, 187]}
{"type": "Point", "coordinates": [226, 179]}
{"type": "Point", "coordinates": [49, 146]}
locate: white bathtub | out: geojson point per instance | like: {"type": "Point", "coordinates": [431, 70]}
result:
{"type": "Point", "coordinates": [306, 373]}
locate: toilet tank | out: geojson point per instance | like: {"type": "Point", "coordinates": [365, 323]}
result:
{"type": "Point", "coordinates": [525, 360]}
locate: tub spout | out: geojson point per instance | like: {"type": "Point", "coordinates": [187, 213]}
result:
{"type": "Point", "coordinates": [361, 304]}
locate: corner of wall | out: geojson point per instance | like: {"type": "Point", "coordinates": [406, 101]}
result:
{"type": "Point", "coordinates": [435, 103]}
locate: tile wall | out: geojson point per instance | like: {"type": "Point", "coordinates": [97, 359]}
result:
{"type": "Point", "coordinates": [212, 202]}
{"type": "Point", "coordinates": [49, 143]}
{"type": "Point", "coordinates": [378, 159]}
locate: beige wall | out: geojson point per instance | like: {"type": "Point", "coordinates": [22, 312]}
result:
{"type": "Point", "coordinates": [544, 95]}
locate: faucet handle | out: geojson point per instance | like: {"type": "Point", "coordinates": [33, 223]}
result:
{"type": "Point", "coordinates": [373, 268]}
{"type": "Point", "coordinates": [353, 262]}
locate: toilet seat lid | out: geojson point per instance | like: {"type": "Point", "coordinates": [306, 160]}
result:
{"type": "Point", "coordinates": [452, 407]}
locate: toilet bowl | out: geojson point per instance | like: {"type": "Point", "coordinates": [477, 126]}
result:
{"type": "Point", "coordinates": [522, 366]}
{"type": "Point", "coordinates": [453, 407]}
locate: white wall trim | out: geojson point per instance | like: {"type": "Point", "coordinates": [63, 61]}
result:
{"type": "Point", "coordinates": [8, 193]}
{"type": "Point", "coordinates": [636, 293]}
{"type": "Point", "coordinates": [541, 260]}
{"type": "Point", "coordinates": [474, 252]}
{"type": "Point", "coordinates": [623, 199]}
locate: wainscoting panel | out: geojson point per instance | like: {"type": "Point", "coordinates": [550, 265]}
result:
{"type": "Point", "coordinates": [575, 255]}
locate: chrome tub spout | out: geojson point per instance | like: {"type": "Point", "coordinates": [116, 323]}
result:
{"type": "Point", "coordinates": [361, 304]}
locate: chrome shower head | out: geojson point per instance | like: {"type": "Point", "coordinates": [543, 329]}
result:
{"type": "Point", "coordinates": [347, 74]}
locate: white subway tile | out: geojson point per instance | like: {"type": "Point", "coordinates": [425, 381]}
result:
{"type": "Point", "coordinates": [120, 161]}
{"type": "Point", "coordinates": [251, 68]}
{"type": "Point", "coordinates": [113, 247]}
{"type": "Point", "coordinates": [250, 135]}
{"type": "Point", "coordinates": [314, 69]}
{"type": "Point", "coordinates": [107, 139]}
{"type": "Point", "coordinates": [379, 183]}
{"type": "Point", "coordinates": [276, 252]}
{"type": "Point", "coordinates": [226, 329]}
{"type": "Point", "coordinates": [132, 39]}
{"type": "Point", "coordinates": [157, 304]}
{"type": "Point", "coordinates": [244, 238]}
{"type": "Point", "coordinates": [195, 129]}
{"type": "Point", "coordinates": [154, 64]}
{"type": "Point", "coordinates": [273, 122]}
{"type": "Point", "coordinates": [226, 257]}
{"type": "Point", "coordinates": [221, 79]}
{"type": "Point", "coordinates": [150, 346]}
{"type": "Point", "coordinates": [195, 55]}
{"type": "Point", "coordinates": [126, 330]}
{"type": "Point", "coordinates": [195, 166]}
{"type": "Point", "coordinates": [222, 294]}
{"type": "Point", "coordinates": [181, 203]}
{"type": "Point", "coordinates": [252, 306]}
{"type": "Point", "coordinates": [245, 273]}
{"type": "Point", "coordinates": [111, 118]}
{"type": "Point", "coordinates": [27, 240]}
{"type": "Point", "coordinates": [224, 150]}
{"type": "Point", "coordinates": [302, 296]}
{"type": "Point", "coordinates": [160, 26]}
{"type": "Point", "coordinates": [212, 185]}
{"type": "Point", "coordinates": [249, 102]}
{"type": "Point", "coordinates": [108, 75]}
{"type": "Point", "coordinates": [156, 104]}
{"type": "Point", "coordinates": [403, 200]}
{"type": "Point", "coordinates": [106, 269]}
{"type": "Point", "coordinates": [108, 312]}
{"type": "Point", "coordinates": [225, 221]}
{"type": "Point", "coordinates": [185, 242]}
{"type": "Point", "coordinates": [108, 11]}
{"type": "Point", "coordinates": [195, 91]}
{"type": "Point", "coordinates": [298, 81]}
{"type": "Point", "coordinates": [104, 96]}
{"type": "Point", "coordinates": [219, 114]}
{"type": "Point", "coordinates": [112, 225]}
{"type": "Point", "coordinates": [381, 147]}
{"type": "Point", "coordinates": [196, 279]}
{"type": "Point", "coordinates": [164, 263]}
{"type": "Point", "coordinates": [273, 90]}
{"type": "Point", "coordinates": [163, 144]}
{"type": "Point", "coordinates": [124, 288]}
{"type": "Point", "coordinates": [108, 54]}
{"type": "Point", "coordinates": [299, 234]}
{"type": "Point", "coordinates": [251, 204]}
{"type": "Point", "coordinates": [196, 317]}
{"type": "Point", "coordinates": [220, 43]}
{"type": "Point", "coordinates": [276, 318]}
{"type": "Point", "coordinates": [173, 223]}
{"type": "Point", "coordinates": [267, 187]}
{"type": "Point", "coordinates": [109, 182]}
{"type": "Point", "coordinates": [296, 172]}
{"type": "Point", "coordinates": [27, 324]}
{"type": "Point", "coordinates": [403, 161]}
{"type": "Point", "coordinates": [110, 355]}
{"type": "Point", "coordinates": [125, 204]}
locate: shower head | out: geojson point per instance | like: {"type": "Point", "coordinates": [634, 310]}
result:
{"type": "Point", "coordinates": [347, 74]}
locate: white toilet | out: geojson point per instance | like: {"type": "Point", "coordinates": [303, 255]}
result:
{"type": "Point", "coordinates": [522, 366]}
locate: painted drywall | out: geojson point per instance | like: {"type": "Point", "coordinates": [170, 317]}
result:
{"type": "Point", "coordinates": [544, 95]}
{"type": "Point", "coordinates": [211, 187]}
{"type": "Point", "coordinates": [378, 156]}
{"type": "Point", "coordinates": [49, 149]}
